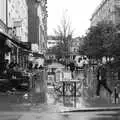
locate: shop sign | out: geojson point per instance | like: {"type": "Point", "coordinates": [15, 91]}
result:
{"type": "Point", "coordinates": [17, 23]}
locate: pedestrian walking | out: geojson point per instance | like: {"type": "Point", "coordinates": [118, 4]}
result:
{"type": "Point", "coordinates": [72, 68]}
{"type": "Point", "coordinates": [102, 79]}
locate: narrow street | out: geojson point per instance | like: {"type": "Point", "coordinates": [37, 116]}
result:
{"type": "Point", "coordinates": [59, 60]}
{"type": "Point", "coordinates": [42, 106]}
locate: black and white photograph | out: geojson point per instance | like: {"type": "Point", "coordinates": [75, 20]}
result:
{"type": "Point", "coordinates": [59, 59]}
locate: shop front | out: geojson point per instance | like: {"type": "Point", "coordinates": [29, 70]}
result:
{"type": "Point", "coordinates": [14, 51]}
{"type": "Point", "coordinates": [17, 51]}
{"type": "Point", "coordinates": [4, 50]}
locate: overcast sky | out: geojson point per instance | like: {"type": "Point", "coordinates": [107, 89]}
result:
{"type": "Point", "coordinates": [79, 12]}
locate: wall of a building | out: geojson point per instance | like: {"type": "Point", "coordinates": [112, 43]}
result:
{"type": "Point", "coordinates": [3, 10]}
{"type": "Point", "coordinates": [117, 10]}
{"type": "Point", "coordinates": [3, 19]}
{"type": "Point", "coordinates": [43, 25]}
{"type": "Point", "coordinates": [75, 45]}
{"type": "Point", "coordinates": [105, 11]}
{"type": "Point", "coordinates": [33, 21]}
{"type": "Point", "coordinates": [3, 28]}
{"type": "Point", "coordinates": [42, 14]}
{"type": "Point", "coordinates": [36, 23]}
{"type": "Point", "coordinates": [18, 17]}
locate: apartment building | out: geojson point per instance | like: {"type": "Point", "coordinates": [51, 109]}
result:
{"type": "Point", "coordinates": [18, 18]}
{"type": "Point", "coordinates": [75, 45]}
{"type": "Point", "coordinates": [37, 24]}
{"type": "Point", "coordinates": [108, 10]}
{"type": "Point", "coordinates": [23, 22]}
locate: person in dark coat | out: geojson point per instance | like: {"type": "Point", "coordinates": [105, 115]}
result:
{"type": "Point", "coordinates": [72, 68]}
{"type": "Point", "coordinates": [41, 67]}
{"type": "Point", "coordinates": [102, 79]}
{"type": "Point", "coordinates": [36, 66]}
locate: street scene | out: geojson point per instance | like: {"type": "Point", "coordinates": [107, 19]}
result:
{"type": "Point", "coordinates": [56, 73]}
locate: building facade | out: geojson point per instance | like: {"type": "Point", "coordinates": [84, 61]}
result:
{"type": "Point", "coordinates": [4, 49]}
{"type": "Point", "coordinates": [37, 24]}
{"type": "Point", "coordinates": [18, 19]}
{"type": "Point", "coordinates": [42, 13]}
{"type": "Point", "coordinates": [108, 10]}
{"type": "Point", "coordinates": [23, 22]}
{"type": "Point", "coordinates": [3, 14]}
{"type": "Point", "coordinates": [17, 23]}
{"type": "Point", "coordinates": [75, 45]}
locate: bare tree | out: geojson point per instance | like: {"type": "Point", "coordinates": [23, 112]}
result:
{"type": "Point", "coordinates": [64, 32]}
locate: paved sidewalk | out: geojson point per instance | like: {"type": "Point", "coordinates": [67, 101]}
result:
{"type": "Point", "coordinates": [92, 103]}
{"type": "Point", "coordinates": [82, 104]}
{"type": "Point", "coordinates": [95, 104]}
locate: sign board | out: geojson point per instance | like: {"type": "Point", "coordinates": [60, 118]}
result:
{"type": "Point", "coordinates": [18, 23]}
{"type": "Point", "coordinates": [34, 47]}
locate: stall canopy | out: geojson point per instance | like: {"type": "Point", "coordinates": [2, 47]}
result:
{"type": "Point", "coordinates": [56, 65]}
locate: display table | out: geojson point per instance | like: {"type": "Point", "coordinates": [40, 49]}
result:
{"type": "Point", "coordinates": [67, 88]}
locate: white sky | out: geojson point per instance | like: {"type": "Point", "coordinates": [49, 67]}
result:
{"type": "Point", "coordinates": [79, 11]}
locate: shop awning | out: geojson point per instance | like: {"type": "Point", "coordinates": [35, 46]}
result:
{"type": "Point", "coordinates": [24, 45]}
{"type": "Point", "coordinates": [4, 47]}
{"type": "Point", "coordinates": [5, 35]}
